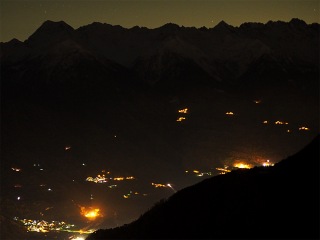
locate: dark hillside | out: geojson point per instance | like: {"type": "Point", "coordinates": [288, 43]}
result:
{"type": "Point", "coordinates": [273, 202]}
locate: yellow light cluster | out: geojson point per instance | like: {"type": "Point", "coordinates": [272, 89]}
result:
{"type": "Point", "coordinates": [223, 170]}
{"type": "Point", "coordinates": [257, 101]}
{"type": "Point", "coordinates": [185, 110]}
{"type": "Point", "coordinates": [103, 179]}
{"type": "Point", "coordinates": [123, 178]}
{"type": "Point", "coordinates": [281, 123]}
{"type": "Point", "coordinates": [265, 122]}
{"type": "Point", "coordinates": [98, 179]}
{"type": "Point", "coordinates": [304, 128]}
{"type": "Point", "coordinates": [229, 113]}
{"type": "Point", "coordinates": [242, 165]}
{"type": "Point", "coordinates": [180, 119]}
{"type": "Point", "coordinates": [157, 185]}
{"type": "Point", "coordinates": [44, 226]}
{"type": "Point", "coordinates": [118, 178]}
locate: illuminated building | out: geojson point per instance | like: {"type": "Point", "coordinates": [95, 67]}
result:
{"type": "Point", "coordinates": [180, 119]}
{"type": "Point", "coordinates": [304, 128]}
{"type": "Point", "coordinates": [185, 110]}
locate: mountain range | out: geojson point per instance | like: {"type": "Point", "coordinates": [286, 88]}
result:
{"type": "Point", "coordinates": [169, 56]}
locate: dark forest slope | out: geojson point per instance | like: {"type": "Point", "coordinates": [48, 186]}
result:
{"type": "Point", "coordinates": [273, 202]}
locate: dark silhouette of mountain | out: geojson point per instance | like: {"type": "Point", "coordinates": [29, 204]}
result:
{"type": "Point", "coordinates": [49, 33]}
{"type": "Point", "coordinates": [279, 202]}
{"type": "Point", "coordinates": [221, 54]}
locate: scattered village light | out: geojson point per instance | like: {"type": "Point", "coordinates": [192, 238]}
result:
{"type": "Point", "coordinates": [66, 148]}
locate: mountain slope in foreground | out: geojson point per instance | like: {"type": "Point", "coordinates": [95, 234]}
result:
{"type": "Point", "coordinates": [263, 202]}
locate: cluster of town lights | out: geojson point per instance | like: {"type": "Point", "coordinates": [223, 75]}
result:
{"type": "Point", "coordinates": [183, 111]}
{"type": "Point", "coordinates": [45, 226]}
{"type": "Point", "coordinates": [103, 179]}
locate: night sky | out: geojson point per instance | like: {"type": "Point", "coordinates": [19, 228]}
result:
{"type": "Point", "coordinates": [19, 19]}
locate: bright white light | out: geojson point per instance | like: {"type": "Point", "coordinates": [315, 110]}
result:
{"type": "Point", "coordinates": [18, 198]}
{"type": "Point", "coordinates": [170, 186]}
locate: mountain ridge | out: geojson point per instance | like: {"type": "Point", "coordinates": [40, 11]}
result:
{"type": "Point", "coordinates": [264, 202]}
{"type": "Point", "coordinates": [223, 52]}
